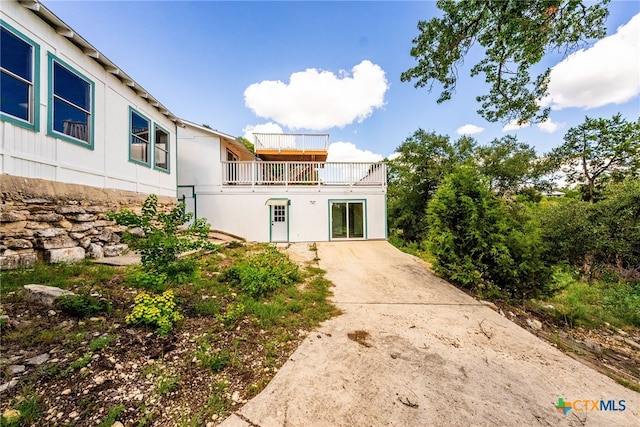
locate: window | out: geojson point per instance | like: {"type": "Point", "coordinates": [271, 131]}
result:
{"type": "Point", "coordinates": [70, 104]}
{"type": "Point", "coordinates": [19, 62]}
{"type": "Point", "coordinates": [139, 141]}
{"type": "Point", "coordinates": [161, 159]}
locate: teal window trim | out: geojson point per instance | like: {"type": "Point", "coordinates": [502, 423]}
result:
{"type": "Point", "coordinates": [157, 127]}
{"type": "Point", "coordinates": [364, 215]}
{"type": "Point", "coordinates": [150, 142]}
{"type": "Point", "coordinates": [52, 59]}
{"type": "Point", "coordinates": [34, 112]}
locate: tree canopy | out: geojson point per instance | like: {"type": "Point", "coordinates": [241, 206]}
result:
{"type": "Point", "coordinates": [515, 35]}
{"type": "Point", "coordinates": [599, 148]}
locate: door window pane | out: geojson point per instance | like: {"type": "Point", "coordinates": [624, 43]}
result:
{"type": "Point", "coordinates": [356, 220]}
{"type": "Point", "coordinates": [339, 220]}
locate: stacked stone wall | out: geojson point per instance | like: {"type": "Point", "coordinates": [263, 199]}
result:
{"type": "Point", "coordinates": [59, 222]}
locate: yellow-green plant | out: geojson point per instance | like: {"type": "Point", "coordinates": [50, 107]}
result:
{"type": "Point", "coordinates": [155, 310]}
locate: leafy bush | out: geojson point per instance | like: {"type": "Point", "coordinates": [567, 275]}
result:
{"type": "Point", "coordinates": [480, 242]}
{"type": "Point", "coordinates": [160, 242]}
{"type": "Point", "coordinates": [158, 310]}
{"type": "Point", "coordinates": [82, 305]}
{"type": "Point", "coordinates": [261, 273]}
{"type": "Point", "coordinates": [600, 235]}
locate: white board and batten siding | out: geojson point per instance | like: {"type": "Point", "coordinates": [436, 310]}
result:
{"type": "Point", "coordinates": [105, 162]}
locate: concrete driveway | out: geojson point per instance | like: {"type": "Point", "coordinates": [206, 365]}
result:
{"type": "Point", "coordinates": [412, 350]}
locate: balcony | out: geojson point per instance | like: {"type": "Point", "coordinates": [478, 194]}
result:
{"type": "Point", "coordinates": [304, 173]}
{"type": "Point", "coordinates": [291, 147]}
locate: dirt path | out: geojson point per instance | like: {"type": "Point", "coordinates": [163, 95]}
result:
{"type": "Point", "coordinates": [412, 350]}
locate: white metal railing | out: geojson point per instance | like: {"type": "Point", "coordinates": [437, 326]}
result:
{"type": "Point", "coordinates": [303, 173]}
{"type": "Point", "coordinates": [291, 141]}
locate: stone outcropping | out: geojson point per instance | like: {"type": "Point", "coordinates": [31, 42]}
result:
{"type": "Point", "coordinates": [59, 222]}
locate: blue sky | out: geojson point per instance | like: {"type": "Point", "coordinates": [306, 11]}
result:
{"type": "Point", "coordinates": [334, 67]}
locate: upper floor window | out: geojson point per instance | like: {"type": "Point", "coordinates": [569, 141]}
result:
{"type": "Point", "coordinates": [70, 103]}
{"type": "Point", "coordinates": [139, 140]}
{"type": "Point", "coordinates": [161, 159]}
{"type": "Point", "coordinates": [19, 57]}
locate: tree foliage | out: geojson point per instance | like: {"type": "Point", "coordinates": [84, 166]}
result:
{"type": "Point", "coordinates": [425, 158]}
{"type": "Point", "coordinates": [597, 235]}
{"type": "Point", "coordinates": [160, 239]}
{"type": "Point", "coordinates": [599, 148]}
{"type": "Point", "coordinates": [478, 243]}
{"type": "Point", "coordinates": [510, 165]}
{"type": "Point", "coordinates": [515, 35]}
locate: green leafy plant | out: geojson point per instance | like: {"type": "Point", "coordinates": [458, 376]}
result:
{"type": "Point", "coordinates": [112, 416]}
{"type": "Point", "coordinates": [261, 273]}
{"type": "Point", "coordinates": [82, 305]}
{"type": "Point", "coordinates": [77, 364]}
{"type": "Point", "coordinates": [160, 239]}
{"type": "Point", "coordinates": [159, 311]}
{"type": "Point", "coordinates": [216, 360]}
{"type": "Point", "coordinates": [232, 314]}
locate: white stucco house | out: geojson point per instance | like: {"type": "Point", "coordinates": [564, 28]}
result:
{"type": "Point", "coordinates": [68, 114]}
{"type": "Point", "coordinates": [284, 191]}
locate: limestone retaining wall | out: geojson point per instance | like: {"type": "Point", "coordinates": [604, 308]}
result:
{"type": "Point", "coordinates": [56, 222]}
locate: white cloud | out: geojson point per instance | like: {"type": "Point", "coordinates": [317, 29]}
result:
{"type": "Point", "coordinates": [549, 126]}
{"type": "Point", "coordinates": [394, 155]}
{"type": "Point", "coordinates": [607, 73]}
{"type": "Point", "coordinates": [270, 127]}
{"type": "Point", "coordinates": [317, 99]}
{"type": "Point", "coordinates": [513, 125]}
{"type": "Point", "coordinates": [469, 129]}
{"type": "Point", "coordinates": [348, 152]}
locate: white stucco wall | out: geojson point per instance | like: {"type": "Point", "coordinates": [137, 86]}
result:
{"type": "Point", "coordinates": [247, 215]}
{"type": "Point", "coordinates": [34, 154]}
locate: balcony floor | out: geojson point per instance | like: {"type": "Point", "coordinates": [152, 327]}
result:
{"type": "Point", "coordinates": [292, 155]}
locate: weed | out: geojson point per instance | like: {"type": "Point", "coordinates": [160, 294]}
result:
{"type": "Point", "coordinates": [76, 364]}
{"type": "Point", "coordinates": [232, 314]}
{"type": "Point", "coordinates": [215, 360]}
{"type": "Point", "coordinates": [166, 383]}
{"type": "Point", "coordinates": [207, 307]}
{"type": "Point", "coordinates": [112, 416]}
{"type": "Point", "coordinates": [99, 343]}
{"type": "Point", "coordinates": [29, 407]}
{"type": "Point", "coordinates": [234, 244]}
{"type": "Point", "coordinates": [82, 305]}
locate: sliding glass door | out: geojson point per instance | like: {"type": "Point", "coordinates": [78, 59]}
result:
{"type": "Point", "coordinates": [347, 220]}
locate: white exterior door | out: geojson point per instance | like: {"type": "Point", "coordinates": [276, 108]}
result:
{"type": "Point", "coordinates": [279, 223]}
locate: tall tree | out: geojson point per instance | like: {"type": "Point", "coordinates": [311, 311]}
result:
{"type": "Point", "coordinates": [515, 35]}
{"type": "Point", "coordinates": [423, 161]}
{"type": "Point", "coordinates": [599, 148]}
{"type": "Point", "coordinates": [510, 164]}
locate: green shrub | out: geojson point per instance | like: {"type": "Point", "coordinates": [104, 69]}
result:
{"type": "Point", "coordinates": [481, 243]}
{"type": "Point", "coordinates": [159, 311]}
{"type": "Point", "coordinates": [153, 281]}
{"type": "Point", "coordinates": [261, 273]}
{"type": "Point", "coordinates": [161, 242]}
{"type": "Point", "coordinates": [82, 305]}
